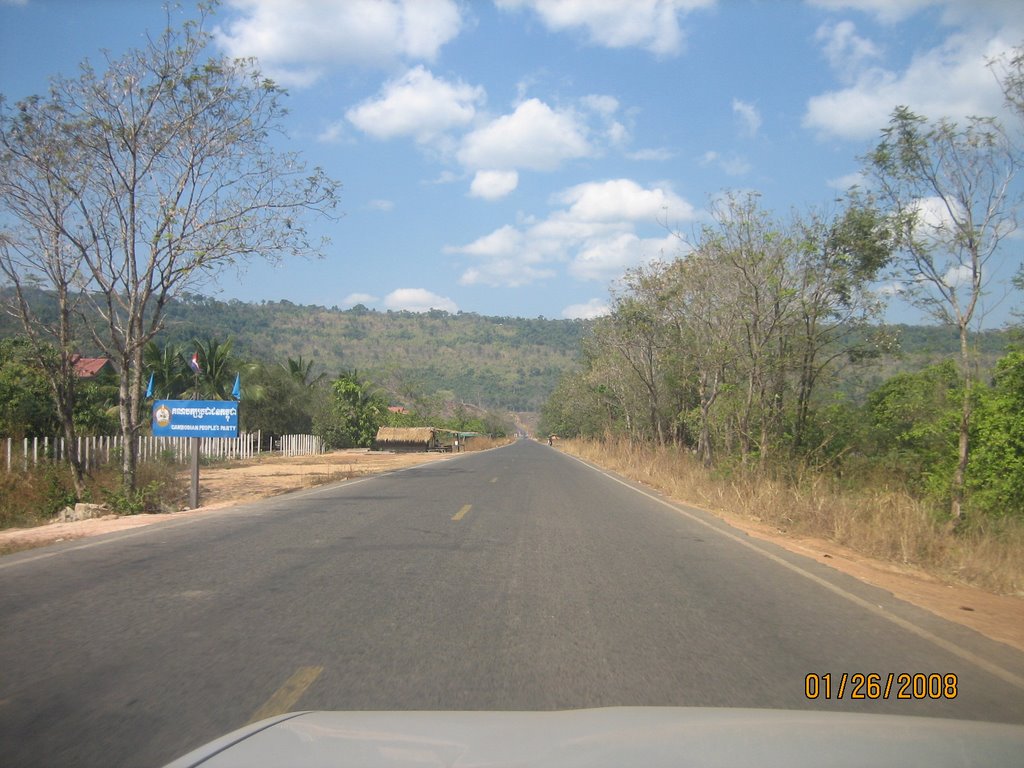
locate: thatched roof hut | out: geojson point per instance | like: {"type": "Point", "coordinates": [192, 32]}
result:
{"type": "Point", "coordinates": [406, 439]}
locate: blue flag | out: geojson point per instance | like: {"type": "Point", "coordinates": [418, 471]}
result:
{"type": "Point", "coordinates": [149, 389]}
{"type": "Point", "coordinates": [236, 391]}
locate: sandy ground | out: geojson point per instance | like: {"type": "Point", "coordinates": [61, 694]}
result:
{"type": "Point", "coordinates": [997, 616]}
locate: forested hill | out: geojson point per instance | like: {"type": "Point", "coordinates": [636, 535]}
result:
{"type": "Point", "coordinates": [502, 362]}
{"type": "Point", "coordinates": [506, 362]}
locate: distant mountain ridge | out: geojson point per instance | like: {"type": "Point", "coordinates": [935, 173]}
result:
{"type": "Point", "coordinates": [509, 363]}
{"type": "Point", "coordinates": [503, 362]}
{"type": "Point", "coordinates": [500, 362]}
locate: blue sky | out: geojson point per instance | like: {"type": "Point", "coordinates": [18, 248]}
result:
{"type": "Point", "coordinates": [515, 157]}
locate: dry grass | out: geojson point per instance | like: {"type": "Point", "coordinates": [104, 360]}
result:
{"type": "Point", "coordinates": [483, 442]}
{"type": "Point", "coordinates": [882, 523]}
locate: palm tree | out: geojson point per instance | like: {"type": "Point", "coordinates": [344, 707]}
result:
{"type": "Point", "coordinates": [302, 372]}
{"type": "Point", "coordinates": [217, 370]}
{"type": "Point", "coordinates": [169, 368]}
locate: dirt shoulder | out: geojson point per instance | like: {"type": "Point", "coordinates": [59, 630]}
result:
{"type": "Point", "coordinates": [228, 485]}
{"type": "Point", "coordinates": [999, 617]}
{"type": "Point", "coordinates": [996, 616]}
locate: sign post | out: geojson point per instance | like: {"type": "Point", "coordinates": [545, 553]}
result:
{"type": "Point", "coordinates": [193, 495]}
{"type": "Point", "coordinates": [195, 419]}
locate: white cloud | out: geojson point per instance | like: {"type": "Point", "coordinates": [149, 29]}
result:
{"type": "Point", "coordinates": [731, 165]}
{"type": "Point", "coordinates": [602, 104]}
{"type": "Point", "coordinates": [297, 41]}
{"type": "Point", "coordinates": [359, 298]}
{"type": "Point", "coordinates": [381, 205]}
{"type": "Point", "coordinates": [951, 80]}
{"type": "Point", "coordinates": [333, 133]}
{"type": "Point", "coordinates": [418, 300]}
{"type": "Point", "coordinates": [417, 104]}
{"type": "Point", "coordinates": [492, 185]}
{"type": "Point", "coordinates": [504, 241]}
{"type": "Point", "coordinates": [508, 272]}
{"type": "Point", "coordinates": [960, 275]}
{"type": "Point", "coordinates": [649, 24]}
{"type": "Point", "coordinates": [750, 117]}
{"type": "Point", "coordinates": [534, 136]}
{"type": "Point", "coordinates": [446, 177]}
{"type": "Point", "coordinates": [934, 221]}
{"type": "Point", "coordinates": [586, 311]}
{"type": "Point", "coordinates": [887, 11]}
{"type": "Point", "coordinates": [505, 257]}
{"type": "Point", "coordinates": [658, 154]}
{"type": "Point", "coordinates": [845, 50]}
{"type": "Point", "coordinates": [621, 200]}
{"type": "Point", "coordinates": [607, 258]}
{"type": "Point", "coordinates": [595, 231]}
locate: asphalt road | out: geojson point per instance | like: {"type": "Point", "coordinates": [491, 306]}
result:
{"type": "Point", "coordinates": [518, 578]}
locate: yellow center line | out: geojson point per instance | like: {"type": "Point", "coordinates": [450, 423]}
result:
{"type": "Point", "coordinates": [284, 698]}
{"type": "Point", "coordinates": [462, 512]}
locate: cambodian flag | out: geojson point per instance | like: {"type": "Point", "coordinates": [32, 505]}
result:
{"type": "Point", "coordinates": [194, 362]}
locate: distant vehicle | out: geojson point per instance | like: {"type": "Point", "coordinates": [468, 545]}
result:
{"type": "Point", "coordinates": [616, 736]}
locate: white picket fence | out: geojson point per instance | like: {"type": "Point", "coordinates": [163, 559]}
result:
{"type": "Point", "coordinates": [301, 445]}
{"type": "Point", "coordinates": [97, 450]}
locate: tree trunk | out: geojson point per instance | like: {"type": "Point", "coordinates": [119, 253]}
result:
{"type": "Point", "coordinates": [708, 394]}
{"type": "Point", "coordinates": [74, 460]}
{"type": "Point", "coordinates": [959, 475]}
{"type": "Point", "coordinates": [128, 443]}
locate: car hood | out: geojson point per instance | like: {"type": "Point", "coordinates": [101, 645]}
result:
{"type": "Point", "coordinates": [616, 736]}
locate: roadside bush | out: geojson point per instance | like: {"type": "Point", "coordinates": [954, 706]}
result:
{"type": "Point", "coordinates": [34, 496]}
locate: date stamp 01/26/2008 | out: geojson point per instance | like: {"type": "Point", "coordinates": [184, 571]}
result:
{"type": "Point", "coordinates": [873, 686]}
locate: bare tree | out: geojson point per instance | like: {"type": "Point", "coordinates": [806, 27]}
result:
{"type": "Point", "coordinates": [949, 190]}
{"type": "Point", "coordinates": [753, 254]}
{"type": "Point", "coordinates": [179, 178]}
{"type": "Point", "coordinates": [42, 170]}
{"type": "Point", "coordinates": [639, 334]}
{"type": "Point", "coordinates": [702, 311]}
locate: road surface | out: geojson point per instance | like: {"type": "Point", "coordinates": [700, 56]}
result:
{"type": "Point", "coordinates": [517, 578]}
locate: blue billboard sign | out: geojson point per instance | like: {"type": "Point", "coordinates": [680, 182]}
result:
{"type": "Point", "coordinates": [195, 418]}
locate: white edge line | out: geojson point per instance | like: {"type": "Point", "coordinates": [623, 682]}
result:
{"type": "Point", "coordinates": [994, 669]}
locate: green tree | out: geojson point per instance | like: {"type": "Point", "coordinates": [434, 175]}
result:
{"type": "Point", "coordinates": [356, 413]}
{"type": "Point", "coordinates": [995, 481]}
{"type": "Point", "coordinates": [276, 403]}
{"type": "Point", "coordinates": [26, 402]}
{"type": "Point", "coordinates": [302, 372]}
{"type": "Point", "coordinates": [96, 404]}
{"type": "Point", "coordinates": [836, 262]}
{"type": "Point", "coordinates": [169, 368]}
{"type": "Point", "coordinates": [910, 428]}
{"type": "Point", "coordinates": [217, 370]}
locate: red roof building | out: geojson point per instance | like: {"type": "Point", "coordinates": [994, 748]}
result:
{"type": "Point", "coordinates": [90, 367]}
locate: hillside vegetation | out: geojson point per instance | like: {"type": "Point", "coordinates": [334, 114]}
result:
{"type": "Point", "coordinates": [510, 363]}
{"type": "Point", "coordinates": [497, 362]}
